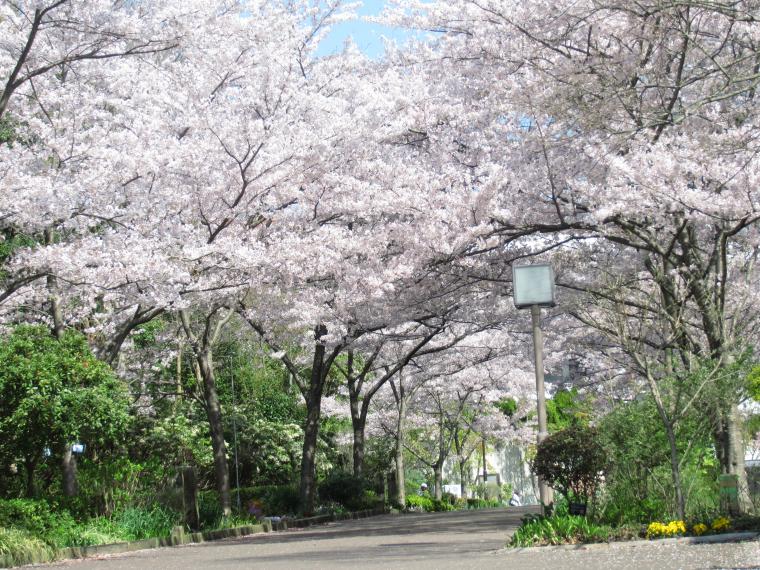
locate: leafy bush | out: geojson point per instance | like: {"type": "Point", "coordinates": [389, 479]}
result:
{"type": "Point", "coordinates": [427, 504]}
{"type": "Point", "coordinates": [449, 498]}
{"type": "Point", "coordinates": [572, 461]}
{"type": "Point", "coordinates": [138, 523]}
{"type": "Point", "coordinates": [442, 506]}
{"type": "Point", "coordinates": [209, 509]}
{"type": "Point", "coordinates": [53, 392]}
{"type": "Point", "coordinates": [419, 503]}
{"type": "Point", "coordinates": [540, 530]}
{"type": "Point", "coordinates": [39, 519]}
{"type": "Point", "coordinates": [21, 547]}
{"type": "Point", "coordinates": [637, 485]}
{"type": "Point", "coordinates": [476, 503]}
{"type": "Point", "coordinates": [281, 500]}
{"type": "Point", "coordinates": [348, 490]}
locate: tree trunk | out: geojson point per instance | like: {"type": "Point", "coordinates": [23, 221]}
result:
{"type": "Point", "coordinates": [30, 466]}
{"type": "Point", "coordinates": [313, 397]}
{"type": "Point", "coordinates": [400, 479]}
{"type": "Point", "coordinates": [438, 480]}
{"type": "Point", "coordinates": [358, 451]}
{"type": "Point", "coordinates": [729, 447]}
{"type": "Point", "coordinates": [675, 470]}
{"type": "Point", "coordinates": [218, 446]}
{"type": "Point", "coordinates": [69, 470]}
{"type": "Point", "coordinates": [358, 423]}
{"type": "Point", "coordinates": [309, 456]}
{"type": "Point", "coordinates": [485, 465]}
{"type": "Point", "coordinates": [462, 485]}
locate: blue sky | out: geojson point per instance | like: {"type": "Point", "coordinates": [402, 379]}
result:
{"type": "Point", "coordinates": [367, 36]}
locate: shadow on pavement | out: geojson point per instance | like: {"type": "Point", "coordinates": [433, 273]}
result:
{"type": "Point", "coordinates": [454, 523]}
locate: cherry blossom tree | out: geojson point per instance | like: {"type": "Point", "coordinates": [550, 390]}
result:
{"type": "Point", "coordinates": [616, 127]}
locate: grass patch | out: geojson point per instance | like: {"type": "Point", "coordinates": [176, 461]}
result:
{"type": "Point", "coordinates": [19, 547]}
{"type": "Point", "coordinates": [537, 530]}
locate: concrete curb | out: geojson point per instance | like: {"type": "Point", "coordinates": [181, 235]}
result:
{"type": "Point", "coordinates": [180, 537]}
{"type": "Point", "coordinates": [710, 539]}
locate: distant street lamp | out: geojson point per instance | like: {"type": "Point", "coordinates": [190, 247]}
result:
{"type": "Point", "coordinates": [534, 287]}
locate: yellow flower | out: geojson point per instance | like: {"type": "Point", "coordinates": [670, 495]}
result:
{"type": "Point", "coordinates": [720, 524]}
{"type": "Point", "coordinates": [655, 529]}
{"type": "Point", "coordinates": [699, 529]}
{"type": "Point", "coordinates": [673, 528]}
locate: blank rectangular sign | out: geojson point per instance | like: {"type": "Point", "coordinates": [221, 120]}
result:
{"type": "Point", "coordinates": [533, 285]}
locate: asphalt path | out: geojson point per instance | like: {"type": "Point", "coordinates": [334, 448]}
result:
{"type": "Point", "coordinates": [434, 541]}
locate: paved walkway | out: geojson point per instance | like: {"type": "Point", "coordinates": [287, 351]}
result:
{"type": "Point", "coordinates": [464, 539]}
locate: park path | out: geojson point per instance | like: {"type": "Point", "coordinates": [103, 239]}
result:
{"type": "Point", "coordinates": [434, 541]}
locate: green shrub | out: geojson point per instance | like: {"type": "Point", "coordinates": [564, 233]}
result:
{"type": "Point", "coordinates": [572, 461]}
{"type": "Point", "coordinates": [450, 498]}
{"type": "Point", "coordinates": [209, 509]}
{"type": "Point", "coordinates": [539, 530]}
{"type": "Point", "coordinates": [419, 503]}
{"type": "Point", "coordinates": [138, 523]}
{"type": "Point", "coordinates": [281, 500]}
{"type": "Point", "coordinates": [441, 506]}
{"type": "Point", "coordinates": [58, 529]}
{"type": "Point", "coordinates": [39, 519]}
{"type": "Point", "coordinates": [19, 547]}
{"type": "Point", "coordinates": [477, 503]}
{"type": "Point", "coordinates": [346, 489]}
{"type": "Point", "coordinates": [620, 507]}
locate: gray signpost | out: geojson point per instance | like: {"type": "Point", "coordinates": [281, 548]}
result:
{"type": "Point", "coordinates": [534, 288]}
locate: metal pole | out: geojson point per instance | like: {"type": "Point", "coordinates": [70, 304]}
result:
{"type": "Point", "coordinates": [485, 467]}
{"type": "Point", "coordinates": [234, 438]}
{"type": "Point", "coordinates": [538, 349]}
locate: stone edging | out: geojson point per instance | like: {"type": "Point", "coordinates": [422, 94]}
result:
{"type": "Point", "coordinates": [710, 539]}
{"type": "Point", "coordinates": [179, 537]}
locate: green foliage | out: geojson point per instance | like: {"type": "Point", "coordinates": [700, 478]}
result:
{"type": "Point", "coordinates": [427, 504]}
{"type": "Point", "coordinates": [21, 547]}
{"type": "Point", "coordinates": [752, 427]}
{"type": "Point", "coordinates": [56, 528]}
{"type": "Point", "coordinates": [269, 451]}
{"type": "Point", "coordinates": [507, 406]}
{"type": "Point", "coordinates": [147, 335]}
{"type": "Point", "coordinates": [564, 529]}
{"type": "Point", "coordinates": [440, 506]}
{"type": "Point", "coordinates": [136, 523]}
{"type": "Point", "coordinates": [209, 509]}
{"type": "Point", "coordinates": [638, 483]}
{"type": "Point", "coordinates": [265, 412]}
{"type": "Point", "coordinates": [478, 503]}
{"type": "Point", "coordinates": [117, 483]}
{"type": "Point", "coordinates": [281, 499]}
{"type": "Point", "coordinates": [261, 500]}
{"type": "Point", "coordinates": [572, 461]}
{"type": "Point", "coordinates": [11, 242]}
{"type": "Point", "coordinates": [10, 131]}
{"type": "Point", "coordinates": [566, 408]}
{"type": "Point", "coordinates": [37, 517]}
{"type": "Point", "coordinates": [178, 440]}
{"type": "Point", "coordinates": [54, 392]}
{"type": "Point", "coordinates": [753, 383]}
{"type": "Point", "coordinates": [346, 489]}
{"type": "Point", "coordinates": [419, 503]}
